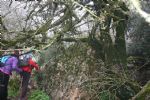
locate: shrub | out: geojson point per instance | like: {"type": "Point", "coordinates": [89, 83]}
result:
{"type": "Point", "coordinates": [38, 95]}
{"type": "Point", "coordinates": [106, 95]}
{"type": "Point", "coordinates": [13, 87]}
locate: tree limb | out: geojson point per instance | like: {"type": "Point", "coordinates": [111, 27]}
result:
{"type": "Point", "coordinates": [142, 95]}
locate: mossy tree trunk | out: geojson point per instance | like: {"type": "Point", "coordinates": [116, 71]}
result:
{"type": "Point", "coordinates": [137, 43]}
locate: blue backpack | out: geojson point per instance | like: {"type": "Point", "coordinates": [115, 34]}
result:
{"type": "Point", "coordinates": [3, 60]}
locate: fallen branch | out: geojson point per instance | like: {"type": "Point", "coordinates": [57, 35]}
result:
{"type": "Point", "coordinates": [144, 93]}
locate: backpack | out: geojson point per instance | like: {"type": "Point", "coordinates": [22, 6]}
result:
{"type": "Point", "coordinates": [3, 60]}
{"type": "Point", "coordinates": [24, 62]}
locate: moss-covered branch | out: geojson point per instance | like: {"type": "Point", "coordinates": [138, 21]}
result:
{"type": "Point", "coordinates": [144, 93]}
{"type": "Point", "coordinates": [74, 39]}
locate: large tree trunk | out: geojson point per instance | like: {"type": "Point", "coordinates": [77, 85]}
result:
{"type": "Point", "coordinates": [138, 44]}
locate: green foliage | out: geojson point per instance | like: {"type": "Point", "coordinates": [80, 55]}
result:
{"type": "Point", "coordinates": [13, 88]}
{"type": "Point", "coordinates": [39, 76]}
{"type": "Point", "coordinates": [38, 95]}
{"type": "Point", "coordinates": [125, 92]}
{"type": "Point", "coordinates": [106, 95]}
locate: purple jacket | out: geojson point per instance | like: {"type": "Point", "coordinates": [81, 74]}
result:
{"type": "Point", "coordinates": [11, 65]}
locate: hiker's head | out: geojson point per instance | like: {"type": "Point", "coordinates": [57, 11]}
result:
{"type": "Point", "coordinates": [16, 53]}
{"type": "Point", "coordinates": [5, 52]}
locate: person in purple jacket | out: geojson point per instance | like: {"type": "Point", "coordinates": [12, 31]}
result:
{"type": "Point", "coordinates": [5, 72]}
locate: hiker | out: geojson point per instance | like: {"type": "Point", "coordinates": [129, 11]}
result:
{"type": "Point", "coordinates": [26, 77]}
{"type": "Point", "coordinates": [10, 65]}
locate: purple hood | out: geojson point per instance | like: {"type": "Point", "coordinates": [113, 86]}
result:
{"type": "Point", "coordinates": [11, 65]}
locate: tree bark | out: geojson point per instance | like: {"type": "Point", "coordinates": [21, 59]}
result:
{"type": "Point", "coordinates": [137, 44]}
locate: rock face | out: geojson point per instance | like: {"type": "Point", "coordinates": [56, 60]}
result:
{"type": "Point", "coordinates": [138, 43]}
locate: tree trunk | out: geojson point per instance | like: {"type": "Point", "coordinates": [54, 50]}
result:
{"type": "Point", "coordinates": [137, 44]}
